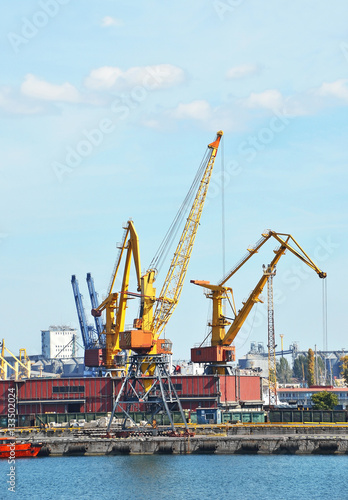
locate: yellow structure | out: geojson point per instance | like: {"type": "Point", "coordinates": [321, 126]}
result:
{"type": "Point", "coordinates": [154, 311]}
{"type": "Point", "coordinates": [225, 331]}
{"type": "Point", "coordinates": [21, 367]}
{"type": "Point", "coordinates": [115, 305]}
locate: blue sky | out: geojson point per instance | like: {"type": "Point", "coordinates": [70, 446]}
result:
{"type": "Point", "coordinates": [106, 109]}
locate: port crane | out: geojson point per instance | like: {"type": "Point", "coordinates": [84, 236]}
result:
{"type": "Point", "coordinates": [21, 368]}
{"type": "Point", "coordinates": [90, 336]}
{"type": "Point", "coordinates": [224, 331]}
{"type": "Point", "coordinates": [156, 312]}
{"type": "Point", "coordinates": [148, 365]}
{"type": "Point", "coordinates": [94, 302]}
{"type": "Point", "coordinates": [115, 304]}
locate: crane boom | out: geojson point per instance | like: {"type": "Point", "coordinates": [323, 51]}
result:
{"type": "Point", "coordinates": [254, 296]}
{"type": "Point", "coordinates": [266, 235]}
{"type": "Point", "coordinates": [88, 333]}
{"type": "Point", "coordinates": [94, 302]}
{"type": "Point", "coordinates": [172, 287]}
{"type": "Point", "coordinates": [222, 338]}
{"type": "Point", "coordinates": [115, 304]}
{"type": "Point", "coordinates": [155, 312]}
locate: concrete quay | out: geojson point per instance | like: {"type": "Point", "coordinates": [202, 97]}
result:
{"type": "Point", "coordinates": [252, 439]}
{"type": "Point", "coordinates": [198, 444]}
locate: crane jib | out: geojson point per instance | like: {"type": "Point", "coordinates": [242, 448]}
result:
{"type": "Point", "coordinates": [173, 283]}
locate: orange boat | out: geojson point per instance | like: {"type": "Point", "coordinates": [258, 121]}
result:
{"type": "Point", "coordinates": [10, 448]}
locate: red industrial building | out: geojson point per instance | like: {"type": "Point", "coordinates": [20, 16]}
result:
{"type": "Point", "coordinates": [81, 395]}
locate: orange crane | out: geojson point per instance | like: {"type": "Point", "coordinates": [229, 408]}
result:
{"type": "Point", "coordinates": [221, 351]}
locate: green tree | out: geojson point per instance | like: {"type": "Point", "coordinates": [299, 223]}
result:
{"type": "Point", "coordinates": [344, 368]}
{"type": "Point", "coordinates": [311, 364]}
{"type": "Point", "coordinates": [320, 370]}
{"type": "Point", "coordinates": [324, 400]}
{"type": "Point", "coordinates": [300, 368]}
{"type": "Point", "coordinates": [284, 372]}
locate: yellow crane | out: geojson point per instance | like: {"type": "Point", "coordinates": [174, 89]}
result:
{"type": "Point", "coordinates": [155, 312]}
{"type": "Point", "coordinates": [147, 371]}
{"type": "Point", "coordinates": [220, 351]}
{"type": "Point", "coordinates": [115, 304]}
{"type": "Point", "coordinates": [21, 367]}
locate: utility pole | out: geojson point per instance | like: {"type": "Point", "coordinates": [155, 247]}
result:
{"type": "Point", "coordinates": [281, 335]}
{"type": "Point", "coordinates": [316, 366]}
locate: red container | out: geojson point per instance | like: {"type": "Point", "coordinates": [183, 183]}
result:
{"type": "Point", "coordinates": [213, 354]}
{"type": "Point", "coordinates": [95, 357]}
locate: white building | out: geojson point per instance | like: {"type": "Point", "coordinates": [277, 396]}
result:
{"type": "Point", "coordinates": [58, 342]}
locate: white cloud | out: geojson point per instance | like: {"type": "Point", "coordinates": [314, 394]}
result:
{"type": "Point", "coordinates": [14, 104]}
{"type": "Point", "coordinates": [338, 89]}
{"type": "Point", "coordinates": [103, 78]}
{"type": "Point", "coordinates": [151, 123]}
{"type": "Point", "coordinates": [216, 118]}
{"type": "Point", "coordinates": [241, 71]}
{"type": "Point", "coordinates": [269, 99]}
{"type": "Point", "coordinates": [42, 90]}
{"type": "Point", "coordinates": [197, 110]}
{"type": "Point", "coordinates": [151, 77]}
{"type": "Point", "coordinates": [111, 21]}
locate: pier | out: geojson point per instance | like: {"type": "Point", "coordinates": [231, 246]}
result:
{"type": "Point", "coordinates": [236, 439]}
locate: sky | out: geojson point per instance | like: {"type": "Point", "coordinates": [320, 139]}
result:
{"type": "Point", "coordinates": [106, 110]}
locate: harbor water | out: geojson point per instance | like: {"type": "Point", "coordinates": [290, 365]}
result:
{"type": "Point", "coordinates": [200, 477]}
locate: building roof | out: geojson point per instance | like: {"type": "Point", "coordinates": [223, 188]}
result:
{"type": "Point", "coordinates": [313, 389]}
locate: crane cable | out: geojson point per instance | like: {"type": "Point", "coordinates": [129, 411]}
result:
{"type": "Point", "coordinates": [167, 241]}
{"type": "Point", "coordinates": [223, 207]}
{"type": "Point", "coordinates": [324, 298]}
{"type": "Point", "coordinates": [223, 235]}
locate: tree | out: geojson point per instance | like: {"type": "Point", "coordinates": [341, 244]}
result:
{"type": "Point", "coordinates": [324, 400]}
{"type": "Point", "coordinates": [284, 372]}
{"type": "Point", "coordinates": [320, 370]}
{"type": "Point", "coordinates": [310, 368]}
{"type": "Point", "coordinates": [344, 368]}
{"type": "Point", "coordinates": [310, 363]}
{"type": "Point", "coordinates": [300, 368]}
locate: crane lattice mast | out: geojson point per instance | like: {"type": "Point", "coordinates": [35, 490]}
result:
{"type": "Point", "coordinates": [272, 368]}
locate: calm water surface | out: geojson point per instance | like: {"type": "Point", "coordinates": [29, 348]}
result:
{"type": "Point", "coordinates": [179, 477]}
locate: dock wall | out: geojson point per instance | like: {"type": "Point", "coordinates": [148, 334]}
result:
{"type": "Point", "coordinates": [262, 439]}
